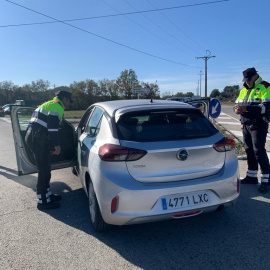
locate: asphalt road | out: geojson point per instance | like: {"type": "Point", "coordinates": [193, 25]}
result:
{"type": "Point", "coordinates": [236, 238]}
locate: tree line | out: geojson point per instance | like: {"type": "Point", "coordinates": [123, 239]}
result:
{"type": "Point", "coordinates": [87, 92]}
{"type": "Point", "coordinates": [84, 93]}
{"type": "Point", "coordinates": [229, 93]}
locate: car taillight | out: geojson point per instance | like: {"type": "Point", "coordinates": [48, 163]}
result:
{"type": "Point", "coordinates": [226, 144]}
{"type": "Point", "coordinates": [112, 152]}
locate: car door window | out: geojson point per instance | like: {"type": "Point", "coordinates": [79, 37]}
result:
{"type": "Point", "coordinates": [84, 121]}
{"type": "Point", "coordinates": [93, 125]}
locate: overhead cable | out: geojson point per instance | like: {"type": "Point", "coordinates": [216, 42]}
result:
{"type": "Point", "coordinates": [111, 15]}
{"type": "Point", "coordinates": [164, 30]}
{"type": "Point", "coordinates": [143, 27]}
{"type": "Point", "coordinates": [112, 41]}
{"type": "Point", "coordinates": [176, 26]}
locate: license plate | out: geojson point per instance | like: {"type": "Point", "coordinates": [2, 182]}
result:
{"type": "Point", "coordinates": [187, 200]}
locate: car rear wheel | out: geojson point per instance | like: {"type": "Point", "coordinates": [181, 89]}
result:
{"type": "Point", "coordinates": [96, 218]}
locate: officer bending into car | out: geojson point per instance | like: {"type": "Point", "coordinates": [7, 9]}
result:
{"type": "Point", "coordinates": [43, 140]}
{"type": "Point", "coordinates": [253, 104]}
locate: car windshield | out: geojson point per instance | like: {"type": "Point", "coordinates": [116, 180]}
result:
{"type": "Point", "coordinates": [164, 125]}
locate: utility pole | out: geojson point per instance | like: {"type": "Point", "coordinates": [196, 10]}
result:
{"type": "Point", "coordinates": [200, 83]}
{"type": "Point", "coordinates": [205, 59]}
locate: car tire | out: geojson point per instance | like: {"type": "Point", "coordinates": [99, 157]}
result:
{"type": "Point", "coordinates": [96, 218]}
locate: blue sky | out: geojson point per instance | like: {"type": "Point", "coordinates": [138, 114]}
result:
{"type": "Point", "coordinates": [235, 31]}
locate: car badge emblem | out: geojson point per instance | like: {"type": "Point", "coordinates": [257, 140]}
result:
{"type": "Point", "coordinates": [182, 154]}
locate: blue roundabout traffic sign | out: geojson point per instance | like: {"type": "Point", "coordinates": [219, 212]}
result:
{"type": "Point", "coordinates": [214, 108]}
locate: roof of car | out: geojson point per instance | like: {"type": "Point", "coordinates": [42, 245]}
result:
{"type": "Point", "coordinates": [8, 104]}
{"type": "Point", "coordinates": [112, 106]}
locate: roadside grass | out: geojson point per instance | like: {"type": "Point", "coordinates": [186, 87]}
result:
{"type": "Point", "coordinates": [228, 103]}
{"type": "Point", "coordinates": [74, 114]}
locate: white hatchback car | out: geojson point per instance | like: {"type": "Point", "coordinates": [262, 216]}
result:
{"type": "Point", "coordinates": [143, 160]}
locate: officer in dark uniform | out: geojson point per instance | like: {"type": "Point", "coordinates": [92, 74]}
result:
{"type": "Point", "coordinates": [43, 141]}
{"type": "Point", "coordinates": [253, 103]}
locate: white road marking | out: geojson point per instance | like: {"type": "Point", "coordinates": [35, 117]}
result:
{"type": "Point", "coordinates": [230, 117]}
{"type": "Point", "coordinates": [223, 117]}
{"type": "Point", "coordinates": [230, 123]}
{"type": "Point", "coordinates": [237, 133]}
{"type": "Point", "coordinates": [6, 119]}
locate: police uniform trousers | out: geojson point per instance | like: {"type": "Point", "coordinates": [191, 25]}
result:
{"type": "Point", "coordinates": [254, 143]}
{"type": "Point", "coordinates": [38, 142]}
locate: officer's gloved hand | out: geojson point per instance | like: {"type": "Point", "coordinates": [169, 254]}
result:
{"type": "Point", "coordinates": [57, 150]}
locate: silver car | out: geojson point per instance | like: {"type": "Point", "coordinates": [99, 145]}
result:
{"type": "Point", "coordinates": [143, 160]}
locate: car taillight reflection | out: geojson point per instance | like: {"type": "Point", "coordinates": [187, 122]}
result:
{"type": "Point", "coordinates": [114, 204]}
{"type": "Point", "coordinates": [112, 152]}
{"type": "Point", "coordinates": [226, 144]}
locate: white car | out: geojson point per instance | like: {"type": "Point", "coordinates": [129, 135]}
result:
{"type": "Point", "coordinates": [143, 160]}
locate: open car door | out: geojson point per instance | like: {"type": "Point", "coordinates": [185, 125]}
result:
{"type": "Point", "coordinates": [202, 104]}
{"type": "Point", "coordinates": [20, 116]}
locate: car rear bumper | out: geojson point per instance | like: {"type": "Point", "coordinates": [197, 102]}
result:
{"type": "Point", "coordinates": [181, 214]}
{"type": "Point", "coordinates": [139, 203]}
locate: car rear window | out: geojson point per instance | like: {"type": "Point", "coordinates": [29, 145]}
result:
{"type": "Point", "coordinates": [164, 125]}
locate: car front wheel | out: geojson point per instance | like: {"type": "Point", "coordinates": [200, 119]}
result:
{"type": "Point", "coordinates": [96, 218]}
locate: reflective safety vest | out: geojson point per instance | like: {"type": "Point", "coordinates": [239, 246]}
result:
{"type": "Point", "coordinates": [48, 117]}
{"type": "Point", "coordinates": [257, 100]}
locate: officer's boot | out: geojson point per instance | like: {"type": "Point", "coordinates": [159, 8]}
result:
{"type": "Point", "coordinates": [45, 203]}
{"type": "Point", "coordinates": [251, 177]}
{"type": "Point", "coordinates": [54, 197]}
{"type": "Point", "coordinates": [250, 180]}
{"type": "Point", "coordinates": [264, 187]}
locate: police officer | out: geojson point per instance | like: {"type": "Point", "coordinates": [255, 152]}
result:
{"type": "Point", "coordinates": [43, 141]}
{"type": "Point", "coordinates": [253, 104]}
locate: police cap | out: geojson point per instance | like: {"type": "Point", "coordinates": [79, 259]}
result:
{"type": "Point", "coordinates": [61, 94]}
{"type": "Point", "coordinates": [249, 73]}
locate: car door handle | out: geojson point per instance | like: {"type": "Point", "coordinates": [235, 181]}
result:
{"type": "Point", "coordinates": [83, 152]}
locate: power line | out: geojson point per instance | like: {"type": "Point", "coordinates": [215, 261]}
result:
{"type": "Point", "coordinates": [112, 41]}
{"type": "Point", "coordinates": [178, 28]}
{"type": "Point", "coordinates": [161, 28]}
{"type": "Point", "coordinates": [112, 15]}
{"type": "Point", "coordinates": [172, 45]}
